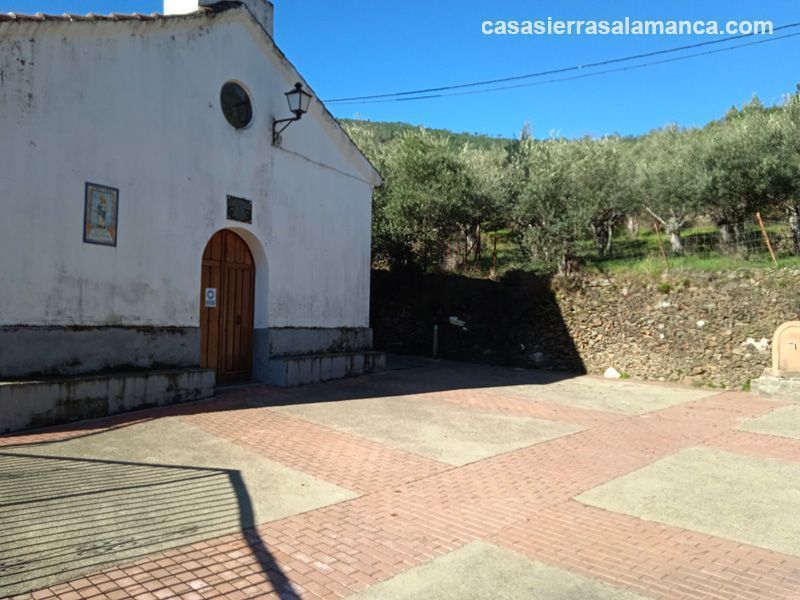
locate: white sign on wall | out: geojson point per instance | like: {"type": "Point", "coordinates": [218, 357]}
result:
{"type": "Point", "coordinates": [211, 297]}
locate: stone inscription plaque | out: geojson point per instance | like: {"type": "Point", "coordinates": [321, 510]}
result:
{"type": "Point", "coordinates": [240, 210]}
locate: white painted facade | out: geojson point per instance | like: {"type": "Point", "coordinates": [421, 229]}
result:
{"type": "Point", "coordinates": [136, 105]}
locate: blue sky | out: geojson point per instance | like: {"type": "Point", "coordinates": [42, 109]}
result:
{"type": "Point", "coordinates": [355, 47]}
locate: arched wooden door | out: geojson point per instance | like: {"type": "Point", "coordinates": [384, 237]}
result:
{"type": "Point", "coordinates": [226, 307]}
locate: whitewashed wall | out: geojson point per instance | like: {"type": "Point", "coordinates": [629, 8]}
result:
{"type": "Point", "coordinates": [136, 106]}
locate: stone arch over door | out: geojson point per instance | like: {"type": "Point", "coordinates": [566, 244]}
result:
{"type": "Point", "coordinates": [227, 307]}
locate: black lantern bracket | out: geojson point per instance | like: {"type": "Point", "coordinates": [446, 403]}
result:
{"type": "Point", "coordinates": [298, 100]}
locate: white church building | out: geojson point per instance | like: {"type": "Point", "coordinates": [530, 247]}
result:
{"type": "Point", "coordinates": [174, 200]}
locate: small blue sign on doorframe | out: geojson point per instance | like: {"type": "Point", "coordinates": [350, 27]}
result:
{"type": "Point", "coordinates": [211, 297]}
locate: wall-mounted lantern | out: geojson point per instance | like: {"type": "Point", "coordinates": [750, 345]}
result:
{"type": "Point", "coordinates": [299, 100]}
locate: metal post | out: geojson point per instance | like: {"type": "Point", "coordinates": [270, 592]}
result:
{"type": "Point", "coordinates": [494, 255]}
{"type": "Point", "coordinates": [435, 341]}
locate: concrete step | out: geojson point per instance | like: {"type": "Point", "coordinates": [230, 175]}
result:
{"type": "Point", "coordinates": [780, 387]}
{"type": "Point", "coordinates": [288, 371]}
{"type": "Point", "coordinates": [51, 401]}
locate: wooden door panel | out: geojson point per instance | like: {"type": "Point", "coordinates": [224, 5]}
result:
{"type": "Point", "coordinates": [230, 316]}
{"type": "Point", "coordinates": [237, 319]}
{"type": "Point", "coordinates": [227, 330]}
{"type": "Point", "coordinates": [213, 251]}
{"type": "Point", "coordinates": [209, 320]}
{"type": "Point", "coordinates": [231, 350]}
{"type": "Point", "coordinates": [248, 302]}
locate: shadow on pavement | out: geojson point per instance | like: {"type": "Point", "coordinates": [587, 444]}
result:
{"type": "Point", "coordinates": [404, 375]}
{"type": "Point", "coordinates": [65, 517]}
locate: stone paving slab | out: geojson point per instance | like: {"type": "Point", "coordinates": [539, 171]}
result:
{"type": "Point", "coordinates": [382, 511]}
{"type": "Point", "coordinates": [69, 507]}
{"type": "Point", "coordinates": [479, 571]}
{"type": "Point", "coordinates": [439, 430]}
{"type": "Point", "coordinates": [783, 422]}
{"type": "Point", "coordinates": [743, 498]}
{"type": "Point", "coordinates": [626, 397]}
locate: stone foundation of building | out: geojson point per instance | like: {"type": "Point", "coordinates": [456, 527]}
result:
{"type": "Point", "coordinates": [52, 375]}
{"type": "Point", "coordinates": [40, 403]}
{"type": "Point", "coordinates": [42, 351]}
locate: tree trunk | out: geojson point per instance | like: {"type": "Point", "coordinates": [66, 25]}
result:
{"type": "Point", "coordinates": [732, 240]}
{"type": "Point", "coordinates": [478, 247]}
{"type": "Point", "coordinates": [566, 264]}
{"type": "Point", "coordinates": [740, 239]}
{"type": "Point", "coordinates": [725, 236]}
{"type": "Point", "coordinates": [602, 237]}
{"type": "Point", "coordinates": [632, 223]}
{"type": "Point", "coordinates": [794, 226]}
{"type": "Point", "coordinates": [673, 228]}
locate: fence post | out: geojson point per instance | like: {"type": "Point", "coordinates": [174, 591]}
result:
{"type": "Point", "coordinates": [493, 272]}
{"type": "Point", "coordinates": [766, 238]}
{"type": "Point", "coordinates": [661, 245]}
{"type": "Point", "coordinates": [435, 341]}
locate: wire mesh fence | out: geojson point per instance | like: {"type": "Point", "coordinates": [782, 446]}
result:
{"type": "Point", "coordinates": [744, 240]}
{"type": "Point", "coordinates": [732, 243]}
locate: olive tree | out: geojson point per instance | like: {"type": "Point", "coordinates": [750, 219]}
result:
{"type": "Point", "coordinates": [547, 219]}
{"type": "Point", "coordinates": [789, 121]}
{"type": "Point", "coordinates": [748, 169]}
{"type": "Point", "coordinates": [670, 180]}
{"type": "Point", "coordinates": [601, 176]}
{"type": "Point", "coordinates": [484, 203]}
{"type": "Point", "coordinates": [425, 191]}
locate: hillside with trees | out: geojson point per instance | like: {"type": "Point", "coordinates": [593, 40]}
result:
{"type": "Point", "coordinates": [556, 204]}
{"type": "Point", "coordinates": [386, 131]}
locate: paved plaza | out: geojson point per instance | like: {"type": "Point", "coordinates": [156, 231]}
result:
{"type": "Point", "coordinates": [432, 480]}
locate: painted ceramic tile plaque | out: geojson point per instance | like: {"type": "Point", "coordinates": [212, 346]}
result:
{"type": "Point", "coordinates": [100, 215]}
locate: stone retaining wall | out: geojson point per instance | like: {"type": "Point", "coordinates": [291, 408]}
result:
{"type": "Point", "coordinates": [711, 329]}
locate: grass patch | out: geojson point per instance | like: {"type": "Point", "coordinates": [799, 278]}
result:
{"type": "Point", "coordinates": [656, 266]}
{"type": "Point", "coordinates": [642, 255]}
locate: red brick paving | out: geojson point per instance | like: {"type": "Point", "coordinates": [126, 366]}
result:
{"type": "Point", "coordinates": [412, 509]}
{"type": "Point", "coordinates": [233, 400]}
{"type": "Point", "coordinates": [765, 446]}
{"type": "Point", "coordinates": [491, 400]}
{"type": "Point", "coordinates": [341, 458]}
{"type": "Point", "coordinates": [652, 558]}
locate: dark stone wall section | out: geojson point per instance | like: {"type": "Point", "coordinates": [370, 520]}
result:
{"type": "Point", "coordinates": [30, 351]}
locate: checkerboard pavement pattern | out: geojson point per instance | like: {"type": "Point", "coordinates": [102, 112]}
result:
{"type": "Point", "coordinates": [411, 509]}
